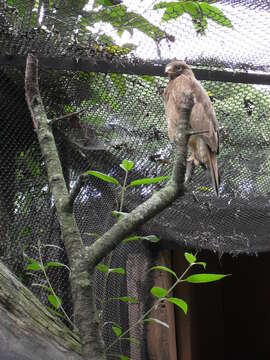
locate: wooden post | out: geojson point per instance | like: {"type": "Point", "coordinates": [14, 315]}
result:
{"type": "Point", "coordinates": [161, 341]}
{"type": "Point", "coordinates": [183, 322]}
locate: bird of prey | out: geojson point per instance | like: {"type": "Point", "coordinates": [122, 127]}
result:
{"type": "Point", "coordinates": [204, 144]}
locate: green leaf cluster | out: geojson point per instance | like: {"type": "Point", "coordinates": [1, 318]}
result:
{"type": "Point", "coordinates": [127, 165]}
{"type": "Point", "coordinates": [162, 294]}
{"type": "Point", "coordinates": [199, 11]}
{"type": "Point", "coordinates": [119, 81]}
{"type": "Point", "coordinates": [122, 19]}
{"type": "Point", "coordinates": [53, 299]}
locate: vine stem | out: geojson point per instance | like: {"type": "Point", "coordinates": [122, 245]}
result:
{"type": "Point", "coordinates": [156, 304]}
{"type": "Point", "coordinates": [51, 288]}
{"type": "Point", "coordinates": [123, 192]}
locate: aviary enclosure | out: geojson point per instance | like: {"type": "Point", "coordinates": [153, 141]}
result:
{"type": "Point", "coordinates": [103, 62]}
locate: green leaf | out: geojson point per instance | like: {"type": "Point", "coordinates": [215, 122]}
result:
{"type": "Point", "coordinates": [215, 14]}
{"type": "Point", "coordinates": [94, 235]}
{"type": "Point", "coordinates": [179, 302]}
{"type": "Point", "coordinates": [191, 259]}
{"type": "Point", "coordinates": [54, 264]}
{"type": "Point", "coordinates": [148, 78]}
{"type": "Point", "coordinates": [103, 3]}
{"type": "Point", "coordinates": [119, 270]}
{"type": "Point", "coordinates": [118, 214]}
{"type": "Point", "coordinates": [204, 278]}
{"type": "Point", "coordinates": [164, 268]}
{"type": "Point", "coordinates": [124, 357]}
{"type": "Point", "coordinates": [26, 231]}
{"type": "Point", "coordinates": [192, 8]}
{"type": "Point", "coordinates": [204, 188]}
{"type": "Point", "coordinates": [159, 292]}
{"type": "Point", "coordinates": [201, 263]}
{"type": "Point", "coordinates": [120, 32]}
{"type": "Point", "coordinates": [55, 301]}
{"type": "Point", "coordinates": [173, 10]}
{"type": "Point", "coordinates": [126, 299]}
{"type": "Point", "coordinates": [157, 321]}
{"type": "Point", "coordinates": [117, 330]}
{"type": "Point", "coordinates": [133, 340]}
{"type": "Point", "coordinates": [34, 266]}
{"type": "Point", "coordinates": [104, 177]}
{"type": "Point", "coordinates": [148, 181]}
{"type": "Point", "coordinates": [44, 287]}
{"type": "Point", "coordinates": [103, 268]}
{"type": "Point", "coordinates": [200, 25]}
{"type": "Point", "coordinates": [56, 313]}
{"type": "Point", "coordinates": [132, 238]}
{"type": "Point", "coordinates": [150, 238]}
{"type": "Point", "coordinates": [119, 81]}
{"type": "Point", "coordinates": [127, 165]}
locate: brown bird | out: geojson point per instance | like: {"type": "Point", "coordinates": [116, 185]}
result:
{"type": "Point", "coordinates": [204, 144]}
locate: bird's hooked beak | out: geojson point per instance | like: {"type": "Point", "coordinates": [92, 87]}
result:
{"type": "Point", "coordinates": [168, 69]}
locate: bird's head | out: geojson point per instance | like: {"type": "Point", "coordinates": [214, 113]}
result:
{"type": "Point", "coordinates": [176, 68]}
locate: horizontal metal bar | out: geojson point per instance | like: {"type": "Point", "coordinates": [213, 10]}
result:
{"type": "Point", "coordinates": [135, 68]}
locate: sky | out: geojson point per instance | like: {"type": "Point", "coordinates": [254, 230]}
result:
{"type": "Point", "coordinates": [248, 41]}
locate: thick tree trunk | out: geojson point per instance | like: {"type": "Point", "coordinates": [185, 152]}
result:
{"type": "Point", "coordinates": [81, 277]}
{"type": "Point", "coordinates": [27, 329]}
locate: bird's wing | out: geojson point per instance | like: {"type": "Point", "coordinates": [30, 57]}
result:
{"type": "Point", "coordinates": [172, 97]}
{"type": "Point", "coordinates": [203, 118]}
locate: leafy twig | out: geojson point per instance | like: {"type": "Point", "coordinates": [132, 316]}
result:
{"type": "Point", "coordinates": [50, 286]}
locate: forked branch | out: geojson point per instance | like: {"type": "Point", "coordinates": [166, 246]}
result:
{"type": "Point", "coordinates": [82, 260]}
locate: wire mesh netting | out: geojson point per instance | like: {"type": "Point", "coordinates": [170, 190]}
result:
{"type": "Point", "coordinates": [120, 116]}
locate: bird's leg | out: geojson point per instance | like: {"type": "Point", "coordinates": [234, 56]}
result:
{"type": "Point", "coordinates": [189, 170]}
{"type": "Point", "coordinates": [191, 163]}
{"type": "Point", "coordinates": [208, 173]}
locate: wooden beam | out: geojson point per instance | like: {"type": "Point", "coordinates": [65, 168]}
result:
{"type": "Point", "coordinates": [137, 68]}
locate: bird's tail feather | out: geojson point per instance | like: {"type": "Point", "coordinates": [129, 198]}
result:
{"type": "Point", "coordinates": [214, 171]}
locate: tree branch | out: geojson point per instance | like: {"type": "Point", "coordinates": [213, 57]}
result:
{"type": "Point", "coordinates": [81, 280]}
{"type": "Point", "coordinates": [158, 202]}
{"type": "Point", "coordinates": [53, 121]}
{"type": "Point", "coordinates": [77, 188]}
{"type": "Point", "coordinates": [22, 314]}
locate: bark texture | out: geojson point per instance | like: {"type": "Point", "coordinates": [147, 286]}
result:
{"type": "Point", "coordinates": [27, 329]}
